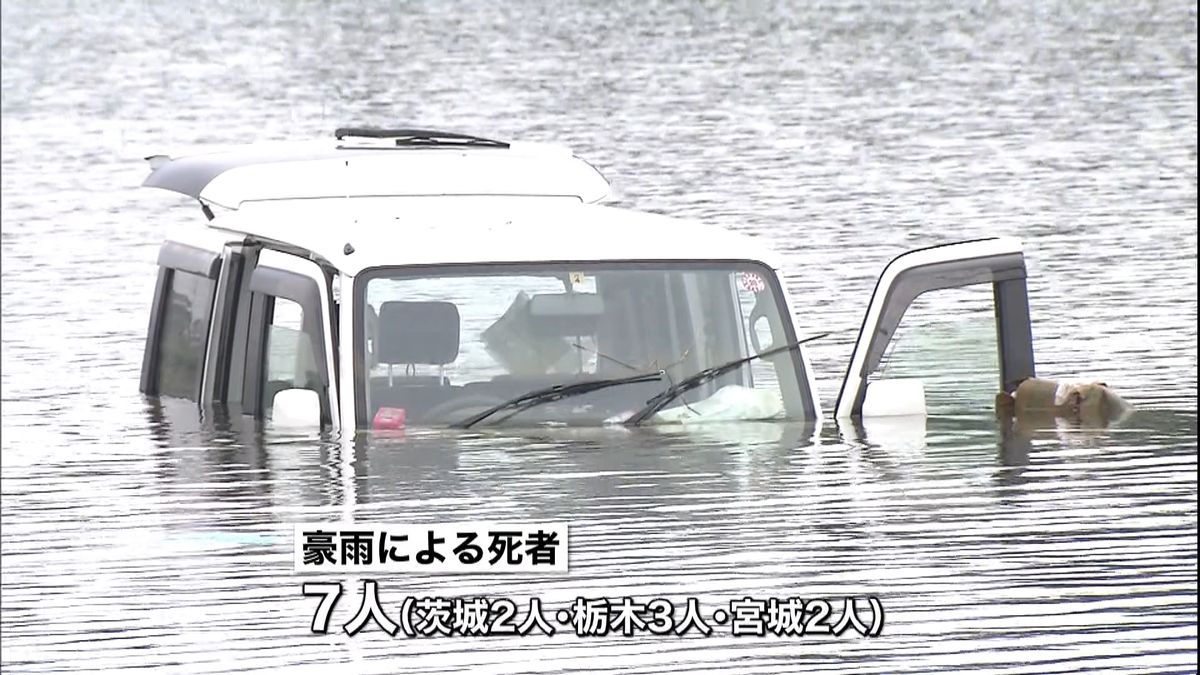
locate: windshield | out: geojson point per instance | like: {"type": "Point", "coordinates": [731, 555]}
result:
{"type": "Point", "coordinates": [435, 346]}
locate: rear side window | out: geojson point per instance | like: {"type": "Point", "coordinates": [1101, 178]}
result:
{"type": "Point", "coordinates": [183, 336]}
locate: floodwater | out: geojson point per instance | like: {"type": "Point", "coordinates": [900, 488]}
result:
{"type": "Point", "coordinates": [841, 133]}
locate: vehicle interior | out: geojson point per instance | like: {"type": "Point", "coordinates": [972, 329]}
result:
{"type": "Point", "coordinates": [443, 349]}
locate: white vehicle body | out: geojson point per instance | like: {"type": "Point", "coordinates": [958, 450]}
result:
{"type": "Point", "coordinates": [314, 223]}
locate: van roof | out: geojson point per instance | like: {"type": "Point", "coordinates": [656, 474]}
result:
{"type": "Point", "coordinates": [376, 162]}
{"type": "Point", "coordinates": [414, 231]}
{"type": "Point", "coordinates": [382, 194]}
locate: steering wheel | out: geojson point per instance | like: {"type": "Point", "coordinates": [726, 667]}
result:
{"type": "Point", "coordinates": [459, 409]}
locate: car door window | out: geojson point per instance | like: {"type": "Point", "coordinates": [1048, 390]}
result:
{"type": "Point", "coordinates": [947, 339]}
{"type": "Point", "coordinates": [289, 362]}
{"type": "Point", "coordinates": [955, 317]}
{"type": "Point", "coordinates": [183, 335]}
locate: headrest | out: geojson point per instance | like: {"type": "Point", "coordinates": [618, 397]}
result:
{"type": "Point", "coordinates": [418, 333]}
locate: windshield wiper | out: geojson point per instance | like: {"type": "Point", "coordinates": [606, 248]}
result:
{"type": "Point", "coordinates": [405, 137]}
{"type": "Point", "coordinates": [683, 386]}
{"type": "Point", "coordinates": [555, 393]}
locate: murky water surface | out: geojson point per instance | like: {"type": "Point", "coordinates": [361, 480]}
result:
{"type": "Point", "coordinates": [840, 133]}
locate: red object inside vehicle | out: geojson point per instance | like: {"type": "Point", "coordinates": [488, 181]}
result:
{"type": "Point", "coordinates": [389, 419]}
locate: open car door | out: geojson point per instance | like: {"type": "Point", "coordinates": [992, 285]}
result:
{"type": "Point", "coordinates": [997, 263]}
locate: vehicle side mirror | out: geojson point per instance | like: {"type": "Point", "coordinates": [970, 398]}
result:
{"type": "Point", "coordinates": [296, 408]}
{"type": "Point", "coordinates": [893, 398]}
{"type": "Point", "coordinates": [760, 333]}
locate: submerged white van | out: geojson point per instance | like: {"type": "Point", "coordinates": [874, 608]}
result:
{"type": "Point", "coordinates": [391, 278]}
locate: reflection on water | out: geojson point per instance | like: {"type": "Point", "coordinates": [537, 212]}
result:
{"type": "Point", "coordinates": [136, 536]}
{"type": "Point", "coordinates": [1062, 544]}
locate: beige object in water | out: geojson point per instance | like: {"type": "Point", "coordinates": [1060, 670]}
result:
{"type": "Point", "coordinates": [1091, 404]}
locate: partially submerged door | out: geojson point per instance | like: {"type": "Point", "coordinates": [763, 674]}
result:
{"type": "Point", "coordinates": [290, 343]}
{"type": "Point", "coordinates": [994, 269]}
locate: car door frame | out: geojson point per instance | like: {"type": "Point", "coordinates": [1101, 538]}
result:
{"type": "Point", "coordinates": [998, 260]}
{"type": "Point", "coordinates": [278, 274]}
{"type": "Point", "coordinates": [175, 257]}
